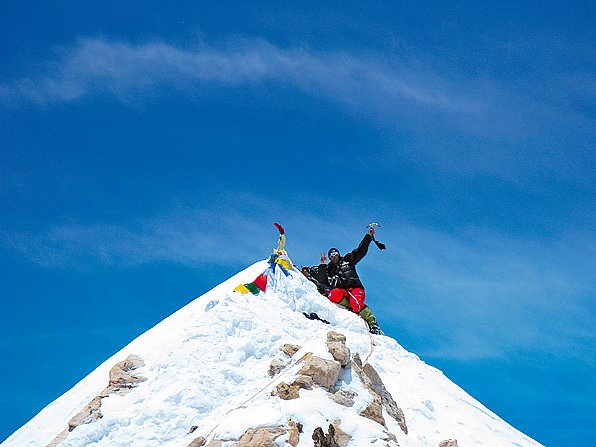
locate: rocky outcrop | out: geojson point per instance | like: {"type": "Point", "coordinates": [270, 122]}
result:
{"type": "Point", "coordinates": [390, 405]}
{"type": "Point", "coordinates": [341, 437]}
{"type": "Point", "coordinates": [374, 410]}
{"type": "Point", "coordinates": [198, 442]}
{"type": "Point", "coordinates": [258, 437]}
{"type": "Point", "coordinates": [121, 381]}
{"type": "Point", "coordinates": [89, 414]}
{"type": "Point", "coordinates": [276, 366]}
{"type": "Point", "coordinates": [336, 437]}
{"type": "Point", "coordinates": [324, 373]}
{"type": "Point", "coordinates": [372, 381]}
{"type": "Point", "coordinates": [314, 371]}
{"type": "Point", "coordinates": [291, 391]}
{"type": "Point", "coordinates": [343, 397]}
{"type": "Point", "coordinates": [294, 430]}
{"type": "Point", "coordinates": [336, 345]}
{"type": "Point", "coordinates": [289, 349]}
{"type": "Point", "coordinates": [261, 437]}
{"type": "Point", "coordinates": [448, 443]}
{"type": "Point", "coordinates": [58, 439]}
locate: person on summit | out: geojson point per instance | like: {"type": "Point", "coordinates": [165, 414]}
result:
{"type": "Point", "coordinates": [339, 281]}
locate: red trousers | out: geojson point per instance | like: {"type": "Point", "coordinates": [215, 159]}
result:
{"type": "Point", "coordinates": [356, 296]}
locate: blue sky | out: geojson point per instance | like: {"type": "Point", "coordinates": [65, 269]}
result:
{"type": "Point", "coordinates": [146, 149]}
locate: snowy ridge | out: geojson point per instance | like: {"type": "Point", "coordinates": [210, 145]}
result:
{"type": "Point", "coordinates": [212, 356]}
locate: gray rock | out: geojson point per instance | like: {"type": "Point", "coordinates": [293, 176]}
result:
{"type": "Point", "coordinates": [336, 437]}
{"type": "Point", "coordinates": [121, 378]}
{"type": "Point", "coordinates": [289, 349]}
{"type": "Point", "coordinates": [121, 381]}
{"type": "Point", "coordinates": [89, 414]}
{"type": "Point", "coordinates": [291, 391]}
{"type": "Point", "coordinates": [339, 352]}
{"type": "Point", "coordinates": [276, 366]}
{"type": "Point", "coordinates": [372, 382]}
{"type": "Point", "coordinates": [448, 443]}
{"type": "Point", "coordinates": [323, 372]}
{"type": "Point", "coordinates": [285, 391]}
{"type": "Point", "coordinates": [294, 430]}
{"type": "Point", "coordinates": [261, 437]}
{"type": "Point", "coordinates": [341, 437]}
{"type": "Point", "coordinates": [388, 402]}
{"type": "Point", "coordinates": [374, 410]}
{"type": "Point", "coordinates": [336, 337]}
{"type": "Point", "coordinates": [197, 442]}
{"type": "Point", "coordinates": [343, 397]}
{"type": "Point", "coordinates": [58, 439]}
{"type": "Point", "coordinates": [336, 345]}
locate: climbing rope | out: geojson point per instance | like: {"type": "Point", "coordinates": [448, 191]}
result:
{"type": "Point", "coordinates": [252, 397]}
{"type": "Point", "coordinates": [372, 343]}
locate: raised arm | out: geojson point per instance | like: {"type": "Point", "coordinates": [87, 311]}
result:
{"type": "Point", "coordinates": [356, 255]}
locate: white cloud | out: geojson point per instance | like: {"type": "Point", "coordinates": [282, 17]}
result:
{"type": "Point", "coordinates": [472, 295]}
{"type": "Point", "coordinates": [493, 295]}
{"type": "Point", "coordinates": [96, 65]}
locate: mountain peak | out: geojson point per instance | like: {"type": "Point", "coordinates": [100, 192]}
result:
{"type": "Point", "coordinates": [233, 369]}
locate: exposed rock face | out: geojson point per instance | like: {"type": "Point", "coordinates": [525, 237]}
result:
{"type": "Point", "coordinates": [198, 442]}
{"type": "Point", "coordinates": [374, 410]}
{"type": "Point", "coordinates": [259, 437]}
{"type": "Point", "coordinates": [262, 437]}
{"type": "Point", "coordinates": [343, 397]}
{"type": "Point", "coordinates": [333, 336]}
{"type": "Point", "coordinates": [341, 437]}
{"type": "Point", "coordinates": [390, 437]}
{"type": "Point", "coordinates": [121, 378]}
{"type": "Point", "coordinates": [372, 382]}
{"type": "Point", "coordinates": [305, 382]}
{"type": "Point", "coordinates": [336, 344]}
{"type": "Point", "coordinates": [294, 430]}
{"type": "Point", "coordinates": [335, 438]}
{"type": "Point", "coordinates": [58, 439]}
{"type": "Point", "coordinates": [121, 381]}
{"type": "Point", "coordinates": [390, 406]}
{"type": "Point", "coordinates": [448, 443]}
{"type": "Point", "coordinates": [89, 414]}
{"type": "Point", "coordinates": [323, 372]}
{"type": "Point", "coordinates": [287, 392]}
{"type": "Point", "coordinates": [276, 366]}
{"type": "Point", "coordinates": [324, 440]}
{"type": "Point", "coordinates": [289, 349]}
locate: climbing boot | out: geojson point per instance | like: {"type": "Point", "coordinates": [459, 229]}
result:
{"type": "Point", "coordinates": [371, 321]}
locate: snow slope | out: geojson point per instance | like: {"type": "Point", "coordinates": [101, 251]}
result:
{"type": "Point", "coordinates": [207, 366]}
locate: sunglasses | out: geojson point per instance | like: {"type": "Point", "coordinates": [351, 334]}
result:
{"type": "Point", "coordinates": [333, 254]}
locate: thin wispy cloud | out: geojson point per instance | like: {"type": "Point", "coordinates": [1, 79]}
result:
{"type": "Point", "coordinates": [494, 294]}
{"type": "Point", "coordinates": [486, 294]}
{"type": "Point", "coordinates": [95, 66]}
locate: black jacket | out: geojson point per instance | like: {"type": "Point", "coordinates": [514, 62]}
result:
{"type": "Point", "coordinates": [343, 275]}
{"type": "Point", "coordinates": [312, 273]}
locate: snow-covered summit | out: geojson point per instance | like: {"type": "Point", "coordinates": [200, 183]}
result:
{"type": "Point", "coordinates": [213, 374]}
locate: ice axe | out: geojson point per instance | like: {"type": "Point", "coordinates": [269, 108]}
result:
{"type": "Point", "coordinates": [377, 243]}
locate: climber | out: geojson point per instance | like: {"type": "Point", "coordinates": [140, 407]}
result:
{"type": "Point", "coordinates": [339, 281]}
{"type": "Point", "coordinates": [311, 274]}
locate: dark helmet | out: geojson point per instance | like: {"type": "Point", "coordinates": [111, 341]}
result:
{"type": "Point", "coordinates": [333, 251]}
